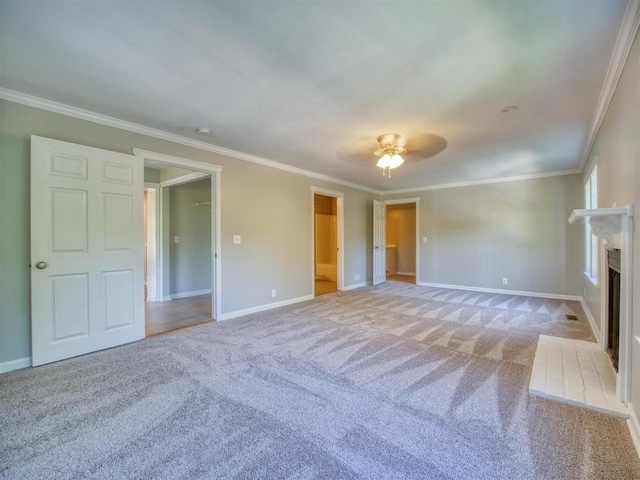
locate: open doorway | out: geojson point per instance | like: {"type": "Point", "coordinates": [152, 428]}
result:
{"type": "Point", "coordinates": [179, 253]}
{"type": "Point", "coordinates": [327, 213]}
{"type": "Point", "coordinates": [325, 244]}
{"type": "Point", "coordinates": [401, 241]}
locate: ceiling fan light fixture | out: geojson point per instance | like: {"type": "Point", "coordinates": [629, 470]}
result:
{"type": "Point", "coordinates": [384, 161]}
{"type": "Point", "coordinates": [396, 161]}
{"type": "Point", "coordinates": [391, 147]}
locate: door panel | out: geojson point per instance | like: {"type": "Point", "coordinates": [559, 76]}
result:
{"type": "Point", "coordinates": [86, 249]}
{"type": "Point", "coordinates": [118, 220]}
{"type": "Point", "coordinates": [69, 220]}
{"type": "Point", "coordinates": [379, 244]}
{"type": "Point", "coordinates": [70, 306]}
{"type": "Point", "coordinates": [118, 298]}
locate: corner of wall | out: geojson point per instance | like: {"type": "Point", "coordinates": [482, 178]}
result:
{"type": "Point", "coordinates": [592, 321]}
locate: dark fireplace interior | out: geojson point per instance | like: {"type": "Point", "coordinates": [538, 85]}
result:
{"type": "Point", "coordinates": [613, 339]}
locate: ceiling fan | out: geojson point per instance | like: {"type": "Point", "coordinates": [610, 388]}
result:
{"type": "Point", "coordinates": [393, 149]}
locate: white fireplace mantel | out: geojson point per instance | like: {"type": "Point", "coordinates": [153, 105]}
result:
{"type": "Point", "coordinates": [615, 227]}
{"type": "Point", "coordinates": [606, 223]}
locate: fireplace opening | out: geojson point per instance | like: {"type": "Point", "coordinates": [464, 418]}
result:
{"type": "Point", "coordinates": [613, 338]}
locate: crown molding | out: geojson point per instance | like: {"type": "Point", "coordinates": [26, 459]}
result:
{"type": "Point", "coordinates": [530, 176]}
{"type": "Point", "coordinates": [55, 107]}
{"type": "Point", "coordinates": [626, 36]}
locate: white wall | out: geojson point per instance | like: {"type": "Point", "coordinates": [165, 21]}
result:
{"type": "Point", "coordinates": [617, 152]}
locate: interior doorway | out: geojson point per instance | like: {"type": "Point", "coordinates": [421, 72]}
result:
{"type": "Point", "coordinates": [327, 241]}
{"type": "Point", "coordinates": [181, 243]}
{"type": "Point", "coordinates": [325, 244]}
{"type": "Point", "coordinates": [401, 238]}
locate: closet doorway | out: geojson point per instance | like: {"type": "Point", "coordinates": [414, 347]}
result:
{"type": "Point", "coordinates": [327, 241]}
{"type": "Point", "coordinates": [401, 241]}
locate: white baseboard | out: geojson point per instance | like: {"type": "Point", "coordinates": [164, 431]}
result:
{"type": "Point", "coordinates": [15, 364]}
{"type": "Point", "coordinates": [634, 429]}
{"type": "Point", "coordinates": [501, 291]}
{"type": "Point", "coordinates": [151, 299]}
{"type": "Point", "coordinates": [592, 322]}
{"type": "Point", "coordinates": [408, 274]}
{"type": "Point", "coordinates": [262, 308]}
{"type": "Point", "coordinates": [195, 293]}
{"type": "Point", "coordinates": [356, 285]}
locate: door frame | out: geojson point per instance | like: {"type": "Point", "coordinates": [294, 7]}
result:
{"type": "Point", "coordinates": [157, 237]}
{"type": "Point", "coordinates": [339, 196]}
{"type": "Point", "coordinates": [401, 201]}
{"type": "Point", "coordinates": [216, 217]}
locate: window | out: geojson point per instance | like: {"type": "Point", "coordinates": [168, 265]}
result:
{"type": "Point", "coordinates": [591, 241]}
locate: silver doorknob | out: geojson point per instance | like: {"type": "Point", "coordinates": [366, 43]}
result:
{"type": "Point", "coordinates": [41, 265]}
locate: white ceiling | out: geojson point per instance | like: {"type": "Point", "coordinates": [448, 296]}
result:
{"type": "Point", "coordinates": [312, 84]}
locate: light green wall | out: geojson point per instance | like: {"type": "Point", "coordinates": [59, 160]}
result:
{"type": "Point", "coordinates": [617, 153]}
{"type": "Point", "coordinates": [270, 208]}
{"type": "Point", "coordinates": [190, 258]}
{"type": "Point", "coordinates": [479, 234]}
{"type": "Point", "coordinates": [151, 175]}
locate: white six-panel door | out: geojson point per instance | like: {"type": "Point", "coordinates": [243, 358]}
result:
{"type": "Point", "coordinates": [87, 283]}
{"type": "Point", "coordinates": [379, 243]}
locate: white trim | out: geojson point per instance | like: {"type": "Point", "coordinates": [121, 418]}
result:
{"type": "Point", "coordinates": [15, 364]}
{"type": "Point", "coordinates": [339, 196]}
{"type": "Point", "coordinates": [356, 285]}
{"type": "Point", "coordinates": [216, 218]}
{"type": "Point", "coordinates": [400, 201]}
{"type": "Point", "coordinates": [262, 308]}
{"type": "Point", "coordinates": [165, 298]}
{"type": "Point", "coordinates": [157, 237]}
{"type": "Point", "coordinates": [634, 429]}
{"type": "Point", "coordinates": [193, 293]}
{"type": "Point", "coordinates": [51, 106]}
{"type": "Point", "coordinates": [626, 36]}
{"type": "Point", "coordinates": [516, 178]}
{"type": "Point", "coordinates": [182, 179]}
{"type": "Point", "coordinates": [406, 274]}
{"type": "Point", "coordinates": [592, 321]}
{"type": "Point", "coordinates": [593, 280]}
{"type": "Point", "coordinates": [174, 160]}
{"type": "Point", "coordinates": [501, 291]}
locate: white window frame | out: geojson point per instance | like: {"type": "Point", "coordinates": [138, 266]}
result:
{"type": "Point", "coordinates": [592, 243]}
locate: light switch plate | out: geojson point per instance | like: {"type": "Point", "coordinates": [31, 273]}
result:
{"type": "Point", "coordinates": [424, 239]}
{"type": "Point", "coordinates": [237, 239]}
{"type": "Point", "coordinates": [176, 239]}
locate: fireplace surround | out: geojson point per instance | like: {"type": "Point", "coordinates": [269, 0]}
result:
{"type": "Point", "coordinates": [615, 227]}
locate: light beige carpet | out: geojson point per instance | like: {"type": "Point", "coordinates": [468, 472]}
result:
{"type": "Point", "coordinates": [394, 381]}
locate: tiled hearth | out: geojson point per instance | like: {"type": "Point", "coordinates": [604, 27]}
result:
{"type": "Point", "coordinates": [576, 372]}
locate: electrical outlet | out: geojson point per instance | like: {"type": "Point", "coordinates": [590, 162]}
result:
{"type": "Point", "coordinates": [357, 277]}
{"type": "Point", "coordinates": [505, 281]}
{"type": "Point", "coordinates": [273, 293]}
{"type": "Point", "coordinates": [237, 239]}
